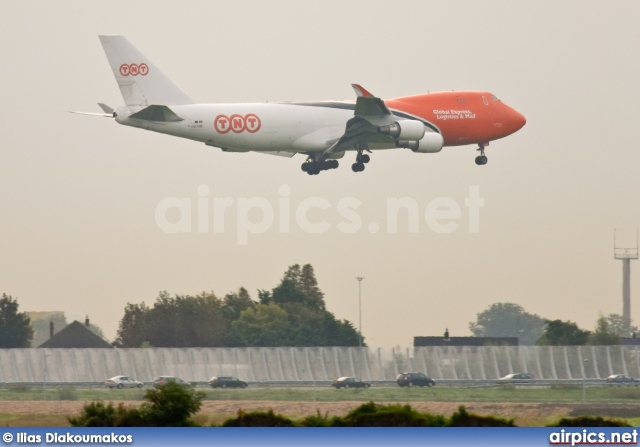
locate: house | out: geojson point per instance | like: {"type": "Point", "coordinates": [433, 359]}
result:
{"type": "Point", "coordinates": [75, 335]}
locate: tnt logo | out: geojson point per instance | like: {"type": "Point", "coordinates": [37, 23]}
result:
{"type": "Point", "coordinates": [134, 69]}
{"type": "Point", "coordinates": [237, 123]}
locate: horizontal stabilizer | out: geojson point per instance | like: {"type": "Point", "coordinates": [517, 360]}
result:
{"type": "Point", "coordinates": [110, 115]}
{"type": "Point", "coordinates": [157, 113]}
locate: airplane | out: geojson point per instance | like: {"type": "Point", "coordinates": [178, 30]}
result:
{"type": "Point", "coordinates": [323, 131]}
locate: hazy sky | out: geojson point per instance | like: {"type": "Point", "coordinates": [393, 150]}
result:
{"type": "Point", "coordinates": [78, 194]}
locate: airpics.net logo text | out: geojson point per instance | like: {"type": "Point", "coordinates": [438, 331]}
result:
{"type": "Point", "coordinates": [313, 215]}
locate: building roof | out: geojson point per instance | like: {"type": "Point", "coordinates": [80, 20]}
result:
{"type": "Point", "coordinates": [75, 335]}
{"type": "Point", "coordinates": [465, 341]}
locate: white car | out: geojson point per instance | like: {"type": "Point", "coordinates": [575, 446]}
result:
{"type": "Point", "coordinates": [122, 382]}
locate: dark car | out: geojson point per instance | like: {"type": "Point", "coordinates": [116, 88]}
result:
{"type": "Point", "coordinates": [161, 380]}
{"type": "Point", "coordinates": [622, 379]}
{"type": "Point", "coordinates": [516, 378]}
{"type": "Point", "coordinates": [349, 382]}
{"type": "Point", "coordinates": [414, 379]}
{"type": "Point", "coordinates": [227, 382]}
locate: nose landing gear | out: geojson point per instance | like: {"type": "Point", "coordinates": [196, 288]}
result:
{"type": "Point", "coordinates": [481, 159]}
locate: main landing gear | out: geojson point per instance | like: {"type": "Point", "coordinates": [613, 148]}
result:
{"type": "Point", "coordinates": [481, 159]}
{"type": "Point", "coordinates": [361, 159]}
{"type": "Point", "coordinates": [313, 167]}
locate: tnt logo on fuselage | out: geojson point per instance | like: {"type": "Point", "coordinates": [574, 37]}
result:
{"type": "Point", "coordinates": [237, 123]}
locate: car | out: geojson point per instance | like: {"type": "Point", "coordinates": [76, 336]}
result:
{"type": "Point", "coordinates": [622, 379]}
{"type": "Point", "coordinates": [414, 379]}
{"type": "Point", "coordinates": [161, 380]}
{"type": "Point", "coordinates": [516, 377]}
{"type": "Point", "coordinates": [227, 382]}
{"type": "Point", "coordinates": [349, 382]}
{"type": "Point", "coordinates": [122, 382]}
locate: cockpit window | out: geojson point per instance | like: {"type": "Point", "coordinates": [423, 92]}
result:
{"type": "Point", "coordinates": [495, 98]}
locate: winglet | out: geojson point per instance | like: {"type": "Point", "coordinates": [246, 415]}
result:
{"type": "Point", "coordinates": [361, 92]}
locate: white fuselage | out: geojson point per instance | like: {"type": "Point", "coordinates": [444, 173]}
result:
{"type": "Point", "coordinates": [253, 127]}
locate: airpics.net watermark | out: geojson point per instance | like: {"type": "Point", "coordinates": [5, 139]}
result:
{"type": "Point", "coordinates": [313, 215]}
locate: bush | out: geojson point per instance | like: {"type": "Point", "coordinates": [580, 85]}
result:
{"type": "Point", "coordinates": [318, 420]}
{"type": "Point", "coordinates": [67, 393]}
{"type": "Point", "coordinates": [589, 421]}
{"type": "Point", "coordinates": [19, 387]}
{"type": "Point", "coordinates": [259, 419]}
{"type": "Point", "coordinates": [374, 415]}
{"type": "Point", "coordinates": [97, 414]}
{"type": "Point", "coordinates": [171, 405]}
{"type": "Point", "coordinates": [463, 419]}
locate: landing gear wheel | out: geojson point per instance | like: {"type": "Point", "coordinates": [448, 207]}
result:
{"type": "Point", "coordinates": [481, 159]}
{"type": "Point", "coordinates": [305, 166]}
{"type": "Point", "coordinates": [357, 167]}
{"type": "Point", "coordinates": [364, 158]}
{"type": "Point", "coordinates": [313, 169]}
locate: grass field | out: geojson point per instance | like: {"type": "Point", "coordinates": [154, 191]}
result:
{"type": "Point", "coordinates": [553, 394]}
{"type": "Point", "coordinates": [529, 406]}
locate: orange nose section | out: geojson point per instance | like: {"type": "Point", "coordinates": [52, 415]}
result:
{"type": "Point", "coordinates": [516, 119]}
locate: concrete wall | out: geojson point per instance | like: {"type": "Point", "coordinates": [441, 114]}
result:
{"type": "Point", "coordinates": [309, 364]}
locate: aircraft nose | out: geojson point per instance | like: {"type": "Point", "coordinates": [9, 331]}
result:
{"type": "Point", "coordinates": [516, 118]}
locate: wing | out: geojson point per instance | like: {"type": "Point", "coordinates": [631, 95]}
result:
{"type": "Point", "coordinates": [370, 113]}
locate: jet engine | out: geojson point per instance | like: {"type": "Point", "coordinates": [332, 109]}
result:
{"type": "Point", "coordinates": [431, 142]}
{"type": "Point", "coordinates": [411, 130]}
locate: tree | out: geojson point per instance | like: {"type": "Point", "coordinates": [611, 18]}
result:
{"type": "Point", "coordinates": [616, 325]}
{"type": "Point", "coordinates": [298, 285]}
{"type": "Point", "coordinates": [179, 321]}
{"type": "Point", "coordinates": [234, 303]}
{"type": "Point", "coordinates": [292, 314]}
{"type": "Point", "coordinates": [309, 286]}
{"type": "Point", "coordinates": [15, 327]}
{"type": "Point", "coordinates": [603, 334]}
{"type": "Point", "coordinates": [133, 331]}
{"type": "Point", "coordinates": [262, 325]}
{"type": "Point", "coordinates": [562, 333]}
{"type": "Point", "coordinates": [508, 320]}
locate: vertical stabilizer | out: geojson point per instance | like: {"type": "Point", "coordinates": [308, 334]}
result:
{"type": "Point", "coordinates": [141, 82]}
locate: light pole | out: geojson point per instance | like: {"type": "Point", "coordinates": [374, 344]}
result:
{"type": "Point", "coordinates": [359, 278]}
{"type": "Point", "coordinates": [584, 380]}
{"type": "Point", "coordinates": [44, 382]}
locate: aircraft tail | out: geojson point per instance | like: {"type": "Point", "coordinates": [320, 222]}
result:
{"type": "Point", "coordinates": [141, 82]}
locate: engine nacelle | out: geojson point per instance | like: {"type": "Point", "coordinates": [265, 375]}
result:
{"type": "Point", "coordinates": [430, 143]}
{"type": "Point", "coordinates": [411, 130]}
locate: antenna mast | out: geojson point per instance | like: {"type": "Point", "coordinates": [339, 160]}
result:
{"type": "Point", "coordinates": [626, 255]}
